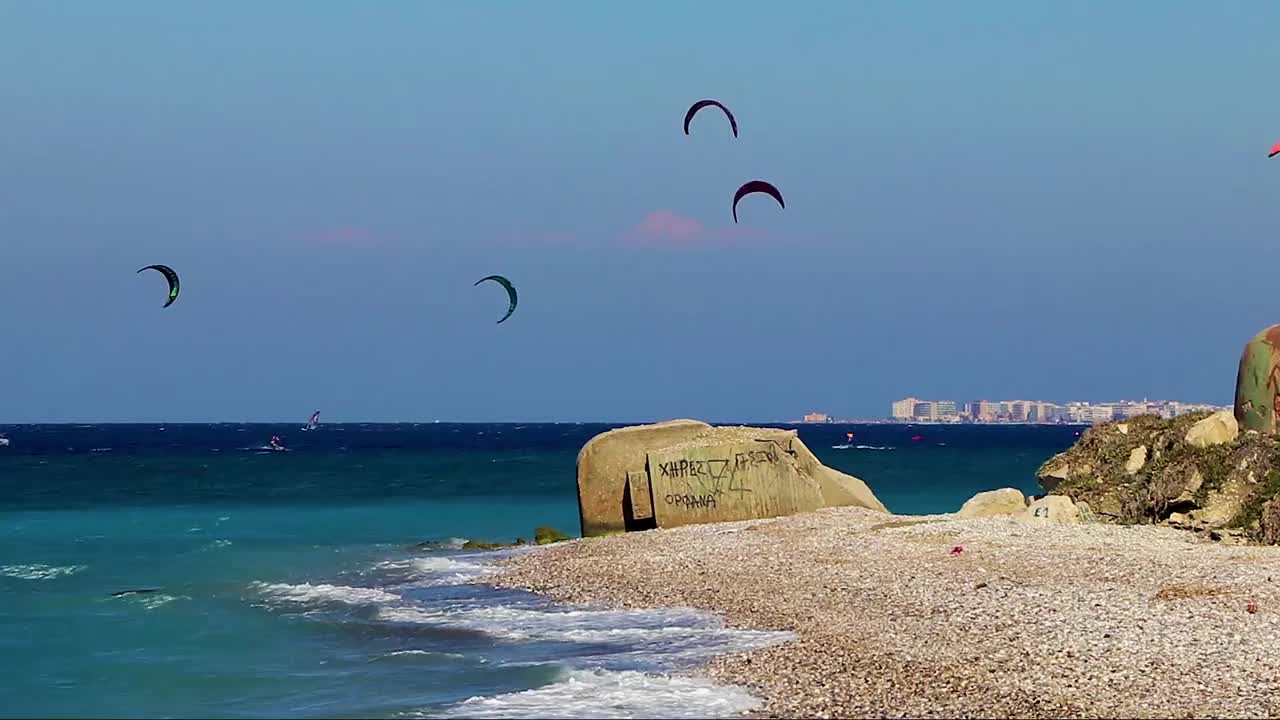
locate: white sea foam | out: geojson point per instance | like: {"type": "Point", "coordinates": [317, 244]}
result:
{"type": "Point", "coordinates": [676, 635]}
{"type": "Point", "coordinates": [40, 572]}
{"type": "Point", "coordinates": [153, 601]}
{"type": "Point", "coordinates": [608, 694]}
{"type": "Point", "coordinates": [439, 570]}
{"type": "Point", "coordinates": [324, 593]}
{"type": "Point", "coordinates": [403, 653]}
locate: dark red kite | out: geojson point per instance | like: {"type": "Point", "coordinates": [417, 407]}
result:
{"type": "Point", "coordinates": [756, 186]}
{"type": "Point", "coordinates": [693, 110]}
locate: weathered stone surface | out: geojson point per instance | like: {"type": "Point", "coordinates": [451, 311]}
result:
{"type": "Point", "coordinates": [603, 464]}
{"type": "Point", "coordinates": [686, 471]}
{"type": "Point", "coordinates": [1050, 510]}
{"type": "Point", "coordinates": [723, 483]}
{"type": "Point", "coordinates": [1270, 522]}
{"type": "Point", "coordinates": [1178, 487]}
{"type": "Point", "coordinates": [1137, 458]}
{"type": "Point", "coordinates": [1054, 471]}
{"type": "Point", "coordinates": [1217, 429]}
{"type": "Point", "coordinates": [1005, 501]}
{"type": "Point", "coordinates": [1258, 382]}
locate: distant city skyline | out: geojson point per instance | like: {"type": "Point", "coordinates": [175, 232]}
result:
{"type": "Point", "coordinates": [982, 411]}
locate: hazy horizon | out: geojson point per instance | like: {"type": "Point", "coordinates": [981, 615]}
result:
{"type": "Point", "coordinates": [994, 200]}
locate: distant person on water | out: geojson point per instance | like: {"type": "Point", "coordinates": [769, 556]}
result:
{"type": "Point", "coordinates": [275, 443]}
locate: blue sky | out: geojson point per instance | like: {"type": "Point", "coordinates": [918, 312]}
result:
{"type": "Point", "coordinates": [997, 199]}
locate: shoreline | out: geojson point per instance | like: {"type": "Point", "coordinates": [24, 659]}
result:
{"type": "Point", "coordinates": [1026, 621]}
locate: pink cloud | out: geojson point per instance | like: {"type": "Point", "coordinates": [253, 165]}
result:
{"type": "Point", "coordinates": [665, 227]}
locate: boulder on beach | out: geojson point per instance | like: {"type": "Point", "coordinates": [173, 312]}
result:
{"type": "Point", "coordinates": [1050, 510]}
{"type": "Point", "coordinates": [1005, 501]}
{"type": "Point", "coordinates": [683, 472]}
{"type": "Point", "coordinates": [1195, 471]}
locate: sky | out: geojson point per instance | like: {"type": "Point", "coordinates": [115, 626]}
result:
{"type": "Point", "coordinates": [1059, 201]}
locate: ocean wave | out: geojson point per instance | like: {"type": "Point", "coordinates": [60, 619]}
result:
{"type": "Point", "coordinates": [681, 635]}
{"type": "Point", "coordinates": [437, 570]}
{"type": "Point", "coordinates": [40, 572]}
{"type": "Point", "coordinates": [151, 601]}
{"type": "Point", "coordinates": [861, 447]}
{"type": "Point", "coordinates": [421, 654]}
{"type": "Point", "coordinates": [324, 593]}
{"type": "Point", "coordinates": [612, 694]}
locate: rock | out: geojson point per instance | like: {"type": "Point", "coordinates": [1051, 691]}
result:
{"type": "Point", "coordinates": [1257, 388]}
{"type": "Point", "coordinates": [1271, 522]}
{"type": "Point", "coordinates": [1123, 428]}
{"type": "Point", "coordinates": [1229, 537]}
{"type": "Point", "coordinates": [1005, 501]}
{"type": "Point", "coordinates": [548, 535]}
{"type": "Point", "coordinates": [1137, 458]}
{"type": "Point", "coordinates": [1050, 510]}
{"type": "Point", "coordinates": [1224, 503]}
{"type": "Point", "coordinates": [1177, 518]}
{"type": "Point", "coordinates": [685, 471]}
{"type": "Point", "coordinates": [1175, 489]}
{"type": "Point", "coordinates": [1217, 429]}
{"type": "Point", "coordinates": [603, 464]}
{"type": "Point", "coordinates": [1054, 471]}
{"type": "Point", "coordinates": [482, 545]}
{"type": "Point", "coordinates": [1086, 513]}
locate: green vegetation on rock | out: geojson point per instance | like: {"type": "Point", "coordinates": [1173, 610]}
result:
{"type": "Point", "coordinates": [548, 535]}
{"type": "Point", "coordinates": [482, 545]}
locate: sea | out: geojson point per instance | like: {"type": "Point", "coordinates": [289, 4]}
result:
{"type": "Point", "coordinates": [189, 571]}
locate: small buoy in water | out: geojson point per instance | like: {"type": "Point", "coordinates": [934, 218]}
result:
{"type": "Point", "coordinates": [917, 437]}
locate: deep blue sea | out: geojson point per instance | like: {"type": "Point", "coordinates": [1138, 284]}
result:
{"type": "Point", "coordinates": [286, 584]}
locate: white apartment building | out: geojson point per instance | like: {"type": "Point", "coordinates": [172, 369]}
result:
{"type": "Point", "coordinates": [905, 409]}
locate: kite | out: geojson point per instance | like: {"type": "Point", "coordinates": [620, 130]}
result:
{"type": "Point", "coordinates": [693, 110]}
{"type": "Point", "coordinates": [169, 275]}
{"type": "Point", "coordinates": [756, 186]}
{"type": "Point", "coordinates": [1275, 150]}
{"type": "Point", "coordinates": [511, 292]}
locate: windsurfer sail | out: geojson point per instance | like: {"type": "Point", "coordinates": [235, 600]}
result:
{"type": "Point", "coordinates": [314, 422]}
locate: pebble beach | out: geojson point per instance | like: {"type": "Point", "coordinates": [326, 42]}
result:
{"type": "Point", "coordinates": [936, 616]}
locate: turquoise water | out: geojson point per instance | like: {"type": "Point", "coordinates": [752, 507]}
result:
{"type": "Point", "coordinates": [287, 584]}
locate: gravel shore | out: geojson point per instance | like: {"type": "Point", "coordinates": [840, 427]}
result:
{"type": "Point", "coordinates": [1046, 621]}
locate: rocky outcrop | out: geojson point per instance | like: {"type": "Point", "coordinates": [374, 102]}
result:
{"type": "Point", "coordinates": [685, 471]}
{"type": "Point", "coordinates": [1196, 471]}
{"type": "Point", "coordinates": [1005, 501]}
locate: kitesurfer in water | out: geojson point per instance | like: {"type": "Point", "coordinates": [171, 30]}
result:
{"type": "Point", "coordinates": [275, 443]}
